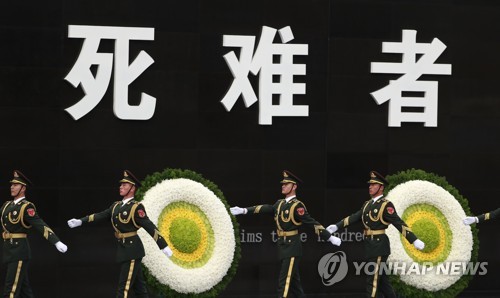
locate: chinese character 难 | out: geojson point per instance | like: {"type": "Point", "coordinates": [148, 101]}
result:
{"type": "Point", "coordinates": [261, 62]}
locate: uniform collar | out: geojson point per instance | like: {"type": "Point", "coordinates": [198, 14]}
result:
{"type": "Point", "coordinates": [376, 198]}
{"type": "Point", "coordinates": [289, 198]}
{"type": "Point", "coordinates": [125, 201]}
{"type": "Point", "coordinates": [19, 200]}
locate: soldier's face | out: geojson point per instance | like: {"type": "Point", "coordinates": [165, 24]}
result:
{"type": "Point", "coordinates": [125, 189]}
{"type": "Point", "coordinates": [16, 189]}
{"type": "Point", "coordinates": [286, 188]}
{"type": "Point", "coordinates": [375, 189]}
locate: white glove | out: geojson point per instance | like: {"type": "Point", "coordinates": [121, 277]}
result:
{"type": "Point", "coordinates": [470, 220]}
{"type": "Point", "coordinates": [73, 223]}
{"type": "Point", "coordinates": [167, 251]}
{"type": "Point", "coordinates": [418, 244]}
{"type": "Point", "coordinates": [332, 229]}
{"type": "Point", "coordinates": [237, 210]}
{"type": "Point", "coordinates": [61, 246]}
{"type": "Point", "coordinates": [335, 240]}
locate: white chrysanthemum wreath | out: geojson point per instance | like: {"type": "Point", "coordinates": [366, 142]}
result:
{"type": "Point", "coordinates": [434, 210]}
{"type": "Point", "coordinates": [197, 227]}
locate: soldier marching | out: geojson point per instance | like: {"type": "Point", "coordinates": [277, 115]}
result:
{"type": "Point", "coordinates": [289, 214]}
{"type": "Point", "coordinates": [376, 215]}
{"type": "Point", "coordinates": [18, 216]}
{"type": "Point", "coordinates": [127, 216]}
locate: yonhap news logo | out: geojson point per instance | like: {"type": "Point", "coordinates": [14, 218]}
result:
{"type": "Point", "coordinates": [333, 268]}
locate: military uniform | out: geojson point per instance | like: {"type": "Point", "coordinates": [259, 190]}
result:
{"type": "Point", "coordinates": [489, 215]}
{"type": "Point", "coordinates": [289, 216]}
{"type": "Point", "coordinates": [376, 216]}
{"type": "Point", "coordinates": [17, 218]}
{"type": "Point", "coordinates": [126, 219]}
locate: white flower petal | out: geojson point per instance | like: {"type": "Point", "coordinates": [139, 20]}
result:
{"type": "Point", "coordinates": [180, 279]}
{"type": "Point", "coordinates": [424, 192]}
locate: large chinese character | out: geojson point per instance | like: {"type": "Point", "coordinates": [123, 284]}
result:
{"type": "Point", "coordinates": [124, 74]}
{"type": "Point", "coordinates": [262, 61]}
{"type": "Point", "coordinates": [411, 70]}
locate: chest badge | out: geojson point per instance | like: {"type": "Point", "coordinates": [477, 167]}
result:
{"type": "Point", "coordinates": [124, 213]}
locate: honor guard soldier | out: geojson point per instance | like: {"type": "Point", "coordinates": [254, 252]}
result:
{"type": "Point", "coordinates": [483, 217]}
{"type": "Point", "coordinates": [289, 213]}
{"type": "Point", "coordinates": [127, 216]}
{"type": "Point", "coordinates": [376, 215]}
{"type": "Point", "coordinates": [18, 216]}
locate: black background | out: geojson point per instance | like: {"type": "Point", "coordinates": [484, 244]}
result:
{"type": "Point", "coordinates": [75, 165]}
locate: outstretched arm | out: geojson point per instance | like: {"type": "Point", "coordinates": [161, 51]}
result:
{"type": "Point", "coordinates": [300, 214]}
{"type": "Point", "coordinates": [31, 217]}
{"type": "Point", "coordinates": [258, 209]}
{"type": "Point", "coordinates": [95, 217]}
{"type": "Point", "coordinates": [349, 220]}
{"type": "Point", "coordinates": [483, 217]}
{"type": "Point", "coordinates": [142, 220]}
{"type": "Point", "coordinates": [390, 216]}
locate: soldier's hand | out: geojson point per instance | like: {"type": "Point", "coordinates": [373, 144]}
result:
{"type": "Point", "coordinates": [237, 210]}
{"type": "Point", "coordinates": [470, 220]}
{"type": "Point", "coordinates": [332, 229]}
{"type": "Point", "coordinates": [61, 246]}
{"type": "Point", "coordinates": [335, 240]}
{"type": "Point", "coordinates": [167, 251]}
{"type": "Point", "coordinates": [419, 244]}
{"type": "Point", "coordinates": [73, 223]}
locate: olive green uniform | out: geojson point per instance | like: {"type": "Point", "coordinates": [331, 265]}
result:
{"type": "Point", "coordinates": [376, 218]}
{"type": "Point", "coordinates": [489, 215]}
{"type": "Point", "coordinates": [17, 219]}
{"type": "Point", "coordinates": [126, 220]}
{"type": "Point", "coordinates": [288, 217]}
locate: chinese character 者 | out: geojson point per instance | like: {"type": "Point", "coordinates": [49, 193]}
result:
{"type": "Point", "coordinates": [411, 68]}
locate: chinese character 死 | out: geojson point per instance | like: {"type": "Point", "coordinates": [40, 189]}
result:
{"type": "Point", "coordinates": [261, 62]}
{"type": "Point", "coordinates": [124, 74]}
{"type": "Point", "coordinates": [412, 69]}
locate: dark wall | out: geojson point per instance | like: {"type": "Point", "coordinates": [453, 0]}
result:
{"type": "Point", "coordinates": [75, 165]}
